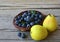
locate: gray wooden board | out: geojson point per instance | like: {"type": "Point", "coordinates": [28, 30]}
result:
{"type": "Point", "coordinates": [4, 35]}
{"type": "Point", "coordinates": [10, 8]}
{"type": "Point", "coordinates": [12, 2]}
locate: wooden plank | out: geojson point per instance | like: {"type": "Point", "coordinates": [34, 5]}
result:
{"type": "Point", "coordinates": [29, 4]}
{"type": "Point", "coordinates": [4, 35]}
{"type": "Point", "coordinates": [4, 7]}
{"type": "Point", "coordinates": [6, 17]}
{"type": "Point", "coordinates": [3, 2]}
{"type": "Point", "coordinates": [39, 6]}
{"type": "Point", "coordinates": [29, 41]}
{"type": "Point", "coordinates": [14, 12]}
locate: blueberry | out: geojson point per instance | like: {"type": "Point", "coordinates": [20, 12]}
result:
{"type": "Point", "coordinates": [23, 25]}
{"type": "Point", "coordinates": [29, 14]}
{"type": "Point", "coordinates": [28, 18]}
{"type": "Point", "coordinates": [40, 16]}
{"type": "Point", "coordinates": [35, 18]}
{"type": "Point", "coordinates": [19, 34]}
{"type": "Point", "coordinates": [23, 35]}
{"type": "Point", "coordinates": [24, 15]}
{"type": "Point", "coordinates": [22, 18]}
{"type": "Point", "coordinates": [25, 18]}
{"type": "Point", "coordinates": [19, 17]}
{"type": "Point", "coordinates": [36, 22]}
{"type": "Point", "coordinates": [17, 22]}
{"type": "Point", "coordinates": [32, 23]}
{"type": "Point", "coordinates": [28, 25]}
{"type": "Point", "coordinates": [20, 24]}
{"type": "Point", "coordinates": [36, 15]}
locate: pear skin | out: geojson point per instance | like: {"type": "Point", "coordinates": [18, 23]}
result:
{"type": "Point", "coordinates": [50, 23]}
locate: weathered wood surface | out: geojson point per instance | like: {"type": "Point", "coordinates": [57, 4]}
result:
{"type": "Point", "coordinates": [17, 4]}
{"type": "Point", "coordinates": [10, 8]}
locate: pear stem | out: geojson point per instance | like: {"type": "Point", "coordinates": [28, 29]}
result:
{"type": "Point", "coordinates": [49, 14]}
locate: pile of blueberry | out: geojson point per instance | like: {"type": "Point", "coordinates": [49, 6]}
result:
{"type": "Point", "coordinates": [29, 18]}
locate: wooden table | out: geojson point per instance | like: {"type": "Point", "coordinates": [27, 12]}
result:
{"type": "Point", "coordinates": [10, 8]}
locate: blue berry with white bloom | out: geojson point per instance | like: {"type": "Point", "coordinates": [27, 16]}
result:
{"type": "Point", "coordinates": [19, 17]}
{"type": "Point", "coordinates": [24, 15]}
{"type": "Point", "coordinates": [35, 18]}
{"type": "Point", "coordinates": [36, 22]}
{"type": "Point", "coordinates": [19, 34]}
{"type": "Point", "coordinates": [37, 15]}
{"type": "Point", "coordinates": [17, 22]}
{"type": "Point", "coordinates": [40, 16]}
{"type": "Point", "coordinates": [28, 25]}
{"type": "Point", "coordinates": [28, 18]}
{"type": "Point", "coordinates": [23, 25]}
{"type": "Point", "coordinates": [31, 23]}
{"type": "Point", "coordinates": [20, 25]}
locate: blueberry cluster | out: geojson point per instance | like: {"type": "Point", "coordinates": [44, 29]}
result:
{"type": "Point", "coordinates": [28, 18]}
{"type": "Point", "coordinates": [22, 35]}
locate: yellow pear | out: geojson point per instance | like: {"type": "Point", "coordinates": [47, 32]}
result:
{"type": "Point", "coordinates": [38, 32]}
{"type": "Point", "coordinates": [50, 23]}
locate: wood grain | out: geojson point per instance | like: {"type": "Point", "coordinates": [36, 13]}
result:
{"type": "Point", "coordinates": [17, 4]}
{"type": "Point", "coordinates": [4, 35]}
{"type": "Point", "coordinates": [29, 2]}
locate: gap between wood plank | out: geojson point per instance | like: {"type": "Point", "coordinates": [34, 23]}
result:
{"type": "Point", "coordinates": [17, 8]}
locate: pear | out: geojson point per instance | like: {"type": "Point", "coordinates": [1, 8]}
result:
{"type": "Point", "coordinates": [50, 23]}
{"type": "Point", "coordinates": [38, 32]}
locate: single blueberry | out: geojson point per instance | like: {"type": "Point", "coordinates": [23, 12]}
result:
{"type": "Point", "coordinates": [32, 23]}
{"type": "Point", "coordinates": [20, 24]}
{"type": "Point", "coordinates": [40, 16]}
{"type": "Point", "coordinates": [36, 22]}
{"type": "Point", "coordinates": [23, 35]}
{"type": "Point", "coordinates": [35, 18]}
{"type": "Point", "coordinates": [22, 18]}
{"type": "Point", "coordinates": [17, 22]}
{"type": "Point", "coordinates": [24, 15]}
{"type": "Point", "coordinates": [28, 18]}
{"type": "Point", "coordinates": [36, 15]}
{"type": "Point", "coordinates": [19, 17]}
{"type": "Point", "coordinates": [19, 34]}
{"type": "Point", "coordinates": [24, 25]}
{"type": "Point", "coordinates": [28, 25]}
{"type": "Point", "coordinates": [25, 19]}
{"type": "Point", "coordinates": [29, 14]}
